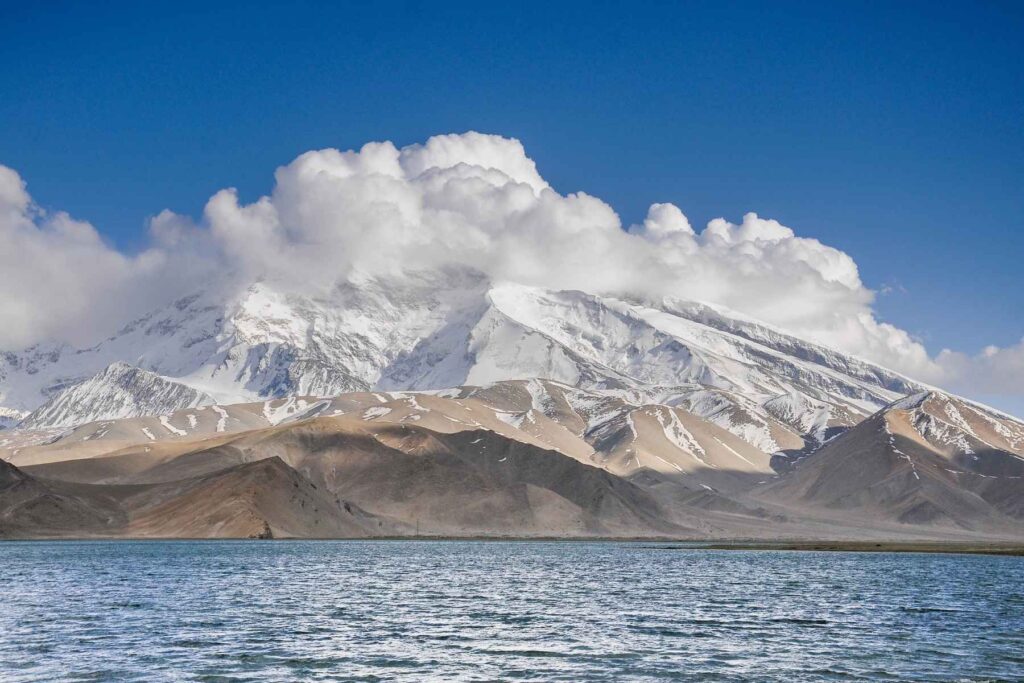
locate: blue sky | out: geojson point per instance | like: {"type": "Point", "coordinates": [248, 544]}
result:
{"type": "Point", "coordinates": [891, 132]}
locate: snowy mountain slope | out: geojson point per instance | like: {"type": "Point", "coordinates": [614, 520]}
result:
{"type": "Point", "coordinates": [441, 329]}
{"type": "Point", "coordinates": [780, 342]}
{"type": "Point", "coordinates": [256, 342]}
{"type": "Point", "coordinates": [647, 353]}
{"type": "Point", "coordinates": [118, 391]}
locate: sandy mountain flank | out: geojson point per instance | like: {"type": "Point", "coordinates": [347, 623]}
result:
{"type": "Point", "coordinates": [527, 458]}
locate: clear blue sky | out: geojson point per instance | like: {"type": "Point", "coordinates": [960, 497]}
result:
{"type": "Point", "coordinates": [894, 131]}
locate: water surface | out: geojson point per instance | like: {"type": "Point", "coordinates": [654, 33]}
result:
{"type": "Point", "coordinates": [379, 610]}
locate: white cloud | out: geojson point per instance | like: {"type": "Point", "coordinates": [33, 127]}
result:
{"type": "Point", "coordinates": [55, 272]}
{"type": "Point", "coordinates": [472, 150]}
{"type": "Point", "coordinates": [61, 282]}
{"type": "Point", "coordinates": [474, 200]}
{"type": "Point", "coordinates": [664, 222]}
{"type": "Point", "coordinates": [995, 371]}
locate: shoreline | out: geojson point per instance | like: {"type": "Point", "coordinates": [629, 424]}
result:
{"type": "Point", "coordinates": [1006, 549]}
{"type": "Point", "coordinates": [934, 547]}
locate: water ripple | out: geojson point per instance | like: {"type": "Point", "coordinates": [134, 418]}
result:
{"type": "Point", "coordinates": [412, 611]}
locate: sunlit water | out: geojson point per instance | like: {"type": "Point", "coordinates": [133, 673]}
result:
{"type": "Point", "coordinates": [268, 611]}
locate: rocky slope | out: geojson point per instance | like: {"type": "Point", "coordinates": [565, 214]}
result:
{"type": "Point", "coordinates": [331, 477]}
{"type": "Point", "coordinates": [537, 458]}
{"type": "Point", "coordinates": [926, 459]}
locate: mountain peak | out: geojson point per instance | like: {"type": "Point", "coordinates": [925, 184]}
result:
{"type": "Point", "coordinates": [912, 401]}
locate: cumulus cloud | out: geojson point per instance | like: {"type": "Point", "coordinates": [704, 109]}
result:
{"type": "Point", "coordinates": [54, 270]}
{"type": "Point", "coordinates": [465, 200]}
{"type": "Point", "coordinates": [996, 371]}
{"type": "Point", "coordinates": [61, 282]}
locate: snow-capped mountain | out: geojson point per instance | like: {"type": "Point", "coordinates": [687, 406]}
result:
{"type": "Point", "coordinates": [444, 329]}
{"type": "Point", "coordinates": [120, 390]}
{"type": "Point", "coordinates": [716, 424]}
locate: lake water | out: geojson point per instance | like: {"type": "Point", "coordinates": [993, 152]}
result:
{"type": "Point", "coordinates": [378, 610]}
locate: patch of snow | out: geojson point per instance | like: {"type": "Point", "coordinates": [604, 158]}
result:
{"type": "Point", "coordinates": [732, 450]}
{"type": "Point", "coordinates": [676, 434]}
{"type": "Point", "coordinates": [222, 421]}
{"type": "Point", "coordinates": [166, 423]}
{"type": "Point", "coordinates": [670, 464]}
{"type": "Point", "coordinates": [897, 451]}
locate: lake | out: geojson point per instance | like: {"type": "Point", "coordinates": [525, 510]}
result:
{"type": "Point", "coordinates": [439, 610]}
